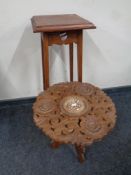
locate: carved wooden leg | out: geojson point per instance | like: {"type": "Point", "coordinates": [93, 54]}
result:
{"type": "Point", "coordinates": [55, 144]}
{"type": "Point", "coordinates": [71, 61]}
{"type": "Point", "coordinates": [80, 152]}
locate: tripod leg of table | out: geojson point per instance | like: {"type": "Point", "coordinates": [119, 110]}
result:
{"type": "Point", "coordinates": [79, 54]}
{"type": "Point", "coordinates": [45, 61]}
{"type": "Point", "coordinates": [71, 61]}
{"type": "Point", "coordinates": [80, 152]}
{"type": "Point", "coordinates": [55, 144]}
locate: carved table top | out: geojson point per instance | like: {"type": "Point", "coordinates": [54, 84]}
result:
{"type": "Point", "coordinates": [76, 113]}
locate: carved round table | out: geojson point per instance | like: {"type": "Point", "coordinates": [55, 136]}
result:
{"type": "Point", "coordinates": [75, 113]}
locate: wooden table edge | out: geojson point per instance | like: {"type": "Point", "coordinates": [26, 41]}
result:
{"type": "Point", "coordinates": [59, 28]}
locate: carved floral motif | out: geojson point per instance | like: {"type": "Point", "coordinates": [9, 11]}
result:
{"type": "Point", "coordinates": [77, 113]}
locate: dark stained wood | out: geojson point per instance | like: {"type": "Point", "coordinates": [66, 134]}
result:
{"type": "Point", "coordinates": [79, 54]}
{"type": "Point", "coordinates": [45, 60]}
{"type": "Point", "coordinates": [67, 37]}
{"type": "Point", "coordinates": [55, 144]}
{"type": "Point", "coordinates": [57, 38]}
{"type": "Point", "coordinates": [61, 29]}
{"type": "Point", "coordinates": [71, 61]}
{"type": "Point", "coordinates": [80, 149]}
{"type": "Point", "coordinates": [42, 53]}
{"type": "Point", "coordinates": [53, 23]}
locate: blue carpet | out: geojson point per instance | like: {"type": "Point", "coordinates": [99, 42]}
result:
{"type": "Point", "coordinates": [25, 150]}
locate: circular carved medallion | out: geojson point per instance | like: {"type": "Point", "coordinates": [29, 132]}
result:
{"type": "Point", "coordinates": [74, 105]}
{"type": "Point", "coordinates": [45, 106]}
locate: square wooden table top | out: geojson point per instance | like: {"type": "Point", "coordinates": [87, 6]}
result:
{"type": "Point", "coordinates": [55, 23]}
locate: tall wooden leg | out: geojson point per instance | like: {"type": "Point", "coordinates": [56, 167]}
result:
{"type": "Point", "coordinates": [79, 54]}
{"type": "Point", "coordinates": [71, 61]}
{"type": "Point", "coordinates": [45, 61]}
{"type": "Point", "coordinates": [80, 152]}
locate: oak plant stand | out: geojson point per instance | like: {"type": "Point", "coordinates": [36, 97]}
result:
{"type": "Point", "coordinates": [61, 29]}
{"type": "Point", "coordinates": [74, 113]}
